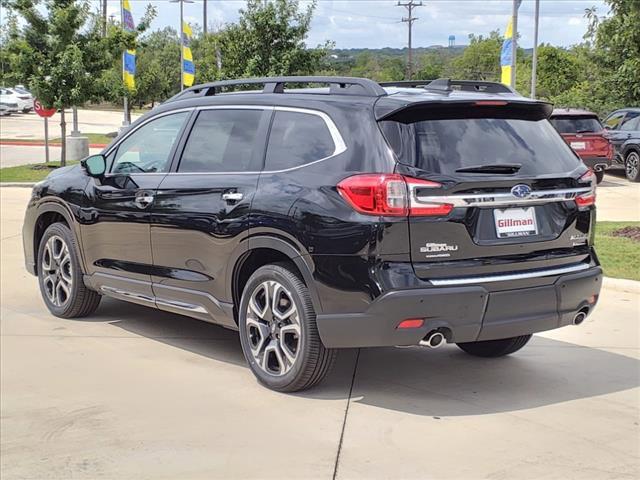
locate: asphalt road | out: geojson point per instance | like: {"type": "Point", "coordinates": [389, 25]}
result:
{"type": "Point", "coordinates": [136, 393]}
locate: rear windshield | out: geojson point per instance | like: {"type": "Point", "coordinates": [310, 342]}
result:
{"type": "Point", "coordinates": [443, 146]}
{"type": "Point", "coordinates": [577, 124]}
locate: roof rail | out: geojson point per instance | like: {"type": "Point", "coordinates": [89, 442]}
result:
{"type": "Point", "coordinates": [448, 85]}
{"type": "Point", "coordinates": [337, 86]}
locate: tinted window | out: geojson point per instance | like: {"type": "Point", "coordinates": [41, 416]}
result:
{"type": "Point", "coordinates": [577, 124]}
{"type": "Point", "coordinates": [147, 149]}
{"type": "Point", "coordinates": [222, 141]}
{"type": "Point", "coordinates": [297, 139]}
{"type": "Point", "coordinates": [630, 121]}
{"type": "Point", "coordinates": [613, 120]}
{"type": "Point", "coordinates": [443, 146]}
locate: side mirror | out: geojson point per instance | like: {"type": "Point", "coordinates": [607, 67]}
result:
{"type": "Point", "coordinates": [95, 165]}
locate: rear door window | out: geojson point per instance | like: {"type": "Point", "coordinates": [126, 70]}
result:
{"type": "Point", "coordinates": [613, 121]}
{"type": "Point", "coordinates": [297, 139]}
{"type": "Point", "coordinates": [443, 146]}
{"type": "Point", "coordinates": [223, 141]}
{"type": "Point", "coordinates": [630, 122]}
{"type": "Point", "coordinates": [577, 124]}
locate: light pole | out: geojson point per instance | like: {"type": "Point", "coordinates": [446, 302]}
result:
{"type": "Point", "coordinates": [181, 2]}
{"type": "Point", "coordinates": [534, 66]}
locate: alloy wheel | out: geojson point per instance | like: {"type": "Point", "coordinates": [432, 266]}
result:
{"type": "Point", "coordinates": [57, 271]}
{"type": "Point", "coordinates": [632, 165]}
{"type": "Point", "coordinates": [273, 328]}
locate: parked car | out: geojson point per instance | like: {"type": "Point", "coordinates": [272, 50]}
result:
{"type": "Point", "coordinates": [24, 100]}
{"type": "Point", "coordinates": [25, 94]}
{"type": "Point", "coordinates": [6, 108]}
{"type": "Point", "coordinates": [313, 219]}
{"type": "Point", "coordinates": [8, 100]}
{"type": "Point", "coordinates": [624, 132]}
{"type": "Point", "coordinates": [585, 134]}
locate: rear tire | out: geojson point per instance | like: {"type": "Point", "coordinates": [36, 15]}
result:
{"type": "Point", "coordinates": [495, 348]}
{"type": "Point", "coordinates": [599, 176]}
{"type": "Point", "coordinates": [632, 166]}
{"type": "Point", "coordinates": [60, 275]}
{"type": "Point", "coordinates": [278, 331]}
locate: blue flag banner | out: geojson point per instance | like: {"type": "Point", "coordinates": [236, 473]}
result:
{"type": "Point", "coordinates": [129, 56]}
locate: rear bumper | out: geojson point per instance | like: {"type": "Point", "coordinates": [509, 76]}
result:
{"type": "Point", "coordinates": [463, 313]}
{"type": "Point", "coordinates": [597, 163]}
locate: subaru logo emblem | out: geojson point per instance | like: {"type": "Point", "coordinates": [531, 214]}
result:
{"type": "Point", "coordinates": [521, 191]}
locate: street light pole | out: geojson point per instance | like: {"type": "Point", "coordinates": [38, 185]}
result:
{"type": "Point", "coordinates": [514, 41]}
{"type": "Point", "coordinates": [534, 65]}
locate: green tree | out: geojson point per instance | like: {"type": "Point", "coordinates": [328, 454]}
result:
{"type": "Point", "coordinates": [616, 39]}
{"type": "Point", "coordinates": [66, 51]}
{"type": "Point", "coordinates": [480, 60]}
{"type": "Point", "coordinates": [269, 39]}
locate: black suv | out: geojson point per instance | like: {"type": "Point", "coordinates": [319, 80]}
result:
{"type": "Point", "coordinates": [353, 214]}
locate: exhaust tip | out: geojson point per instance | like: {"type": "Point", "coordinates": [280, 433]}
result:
{"type": "Point", "coordinates": [433, 340]}
{"type": "Point", "coordinates": [580, 316]}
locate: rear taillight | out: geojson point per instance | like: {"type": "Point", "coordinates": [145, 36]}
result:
{"type": "Point", "coordinates": [390, 195]}
{"type": "Point", "coordinates": [589, 198]}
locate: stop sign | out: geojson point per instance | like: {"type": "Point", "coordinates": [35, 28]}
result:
{"type": "Point", "coordinates": [43, 112]}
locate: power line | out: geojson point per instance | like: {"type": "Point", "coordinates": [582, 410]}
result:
{"type": "Point", "coordinates": [410, 5]}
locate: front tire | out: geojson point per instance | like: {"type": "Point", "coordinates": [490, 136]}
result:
{"type": "Point", "coordinates": [632, 166]}
{"type": "Point", "coordinates": [495, 348]}
{"type": "Point", "coordinates": [60, 275]}
{"type": "Point", "coordinates": [278, 331]}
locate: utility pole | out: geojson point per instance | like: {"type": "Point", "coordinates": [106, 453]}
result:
{"type": "Point", "coordinates": [104, 17]}
{"type": "Point", "coordinates": [410, 5]}
{"type": "Point", "coordinates": [204, 17]}
{"type": "Point", "coordinates": [534, 66]}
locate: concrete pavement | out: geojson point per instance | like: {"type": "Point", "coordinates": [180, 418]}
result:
{"type": "Point", "coordinates": [31, 127]}
{"type": "Point", "coordinates": [14, 155]}
{"type": "Point", "coordinates": [135, 393]}
{"type": "Point", "coordinates": [618, 199]}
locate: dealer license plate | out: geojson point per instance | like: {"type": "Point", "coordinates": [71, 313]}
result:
{"type": "Point", "coordinates": [515, 222]}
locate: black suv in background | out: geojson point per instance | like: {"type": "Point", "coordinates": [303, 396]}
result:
{"type": "Point", "coordinates": [624, 133]}
{"type": "Point", "coordinates": [311, 219]}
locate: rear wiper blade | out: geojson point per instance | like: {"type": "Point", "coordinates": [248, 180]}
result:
{"type": "Point", "coordinates": [491, 168]}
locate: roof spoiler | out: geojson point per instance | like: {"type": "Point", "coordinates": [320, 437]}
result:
{"type": "Point", "coordinates": [515, 107]}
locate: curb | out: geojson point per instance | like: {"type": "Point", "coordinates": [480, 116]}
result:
{"type": "Point", "coordinates": [18, 143]}
{"type": "Point", "coordinates": [622, 285]}
{"type": "Point", "coordinates": [17, 184]}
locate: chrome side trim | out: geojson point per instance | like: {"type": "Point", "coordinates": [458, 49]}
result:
{"type": "Point", "coordinates": [153, 301]}
{"type": "Point", "coordinates": [498, 199]}
{"type": "Point", "coordinates": [128, 295]}
{"type": "Point", "coordinates": [181, 305]}
{"type": "Point", "coordinates": [339, 145]}
{"type": "Point", "coordinates": [509, 277]}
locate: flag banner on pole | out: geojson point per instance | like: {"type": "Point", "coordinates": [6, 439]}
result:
{"type": "Point", "coordinates": [506, 55]}
{"type": "Point", "coordinates": [129, 70]}
{"type": "Point", "coordinates": [188, 67]}
{"type": "Point", "coordinates": [129, 56]}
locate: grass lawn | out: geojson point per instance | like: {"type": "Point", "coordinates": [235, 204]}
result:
{"type": "Point", "coordinates": [28, 173]}
{"type": "Point", "coordinates": [620, 257]}
{"type": "Point", "coordinates": [93, 138]}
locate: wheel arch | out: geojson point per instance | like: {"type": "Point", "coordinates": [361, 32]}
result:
{"type": "Point", "coordinates": [264, 250]}
{"type": "Point", "coordinates": [49, 213]}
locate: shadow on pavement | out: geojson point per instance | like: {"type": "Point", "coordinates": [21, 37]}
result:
{"type": "Point", "coordinates": [443, 382]}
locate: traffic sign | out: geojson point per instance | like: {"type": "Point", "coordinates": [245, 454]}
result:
{"type": "Point", "coordinates": [43, 112]}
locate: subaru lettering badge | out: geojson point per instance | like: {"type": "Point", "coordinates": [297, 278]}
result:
{"type": "Point", "coordinates": [521, 191]}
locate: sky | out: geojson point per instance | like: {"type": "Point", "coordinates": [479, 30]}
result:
{"type": "Point", "coordinates": [376, 23]}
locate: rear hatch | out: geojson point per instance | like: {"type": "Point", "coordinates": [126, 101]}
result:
{"type": "Point", "coordinates": [492, 188]}
{"type": "Point", "coordinates": [584, 133]}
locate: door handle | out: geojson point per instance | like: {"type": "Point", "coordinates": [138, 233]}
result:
{"type": "Point", "coordinates": [232, 196]}
{"type": "Point", "coordinates": [143, 199]}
